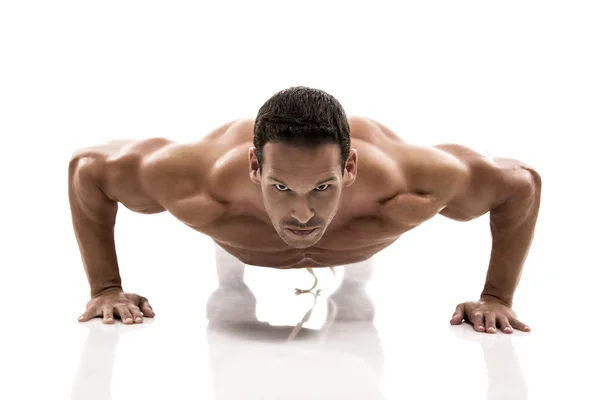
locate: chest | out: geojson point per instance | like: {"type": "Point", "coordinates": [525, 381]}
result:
{"type": "Point", "coordinates": [257, 243]}
{"type": "Point", "coordinates": [355, 234]}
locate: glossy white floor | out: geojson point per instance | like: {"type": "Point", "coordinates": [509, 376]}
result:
{"type": "Point", "coordinates": [232, 341]}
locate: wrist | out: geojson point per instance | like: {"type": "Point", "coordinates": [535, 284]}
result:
{"type": "Point", "coordinates": [497, 298]}
{"type": "Point", "coordinates": [99, 292]}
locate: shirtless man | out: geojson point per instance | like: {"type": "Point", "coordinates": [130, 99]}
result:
{"type": "Point", "coordinates": [284, 191]}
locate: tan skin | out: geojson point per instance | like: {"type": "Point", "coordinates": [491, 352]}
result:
{"type": "Point", "coordinates": [215, 186]}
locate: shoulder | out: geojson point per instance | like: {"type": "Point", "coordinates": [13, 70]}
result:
{"type": "Point", "coordinates": [178, 177]}
{"type": "Point", "coordinates": [178, 170]}
{"type": "Point", "coordinates": [185, 167]}
{"type": "Point", "coordinates": [214, 168]}
{"type": "Point", "coordinates": [432, 171]}
{"type": "Point", "coordinates": [370, 130]}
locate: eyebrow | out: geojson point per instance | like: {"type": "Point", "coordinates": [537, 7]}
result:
{"type": "Point", "coordinates": [331, 178]}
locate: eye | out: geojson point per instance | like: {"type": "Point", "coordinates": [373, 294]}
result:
{"type": "Point", "coordinates": [280, 187]}
{"type": "Point", "coordinates": [322, 188]}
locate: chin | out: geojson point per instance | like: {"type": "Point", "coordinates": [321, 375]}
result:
{"type": "Point", "coordinates": [296, 243]}
{"type": "Point", "coordinates": [299, 245]}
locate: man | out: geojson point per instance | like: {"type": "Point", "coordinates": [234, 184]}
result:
{"type": "Point", "coordinates": [284, 191]}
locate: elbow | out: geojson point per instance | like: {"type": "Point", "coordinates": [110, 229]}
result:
{"type": "Point", "coordinates": [535, 177]}
{"type": "Point", "coordinates": [78, 158]}
{"type": "Point", "coordinates": [535, 183]}
{"type": "Point", "coordinates": [530, 182]}
{"type": "Point", "coordinates": [85, 168]}
{"type": "Point", "coordinates": [532, 190]}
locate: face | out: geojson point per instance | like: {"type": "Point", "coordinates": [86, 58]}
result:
{"type": "Point", "coordinates": [302, 188]}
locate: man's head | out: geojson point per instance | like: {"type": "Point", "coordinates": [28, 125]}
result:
{"type": "Point", "coordinates": [302, 160]}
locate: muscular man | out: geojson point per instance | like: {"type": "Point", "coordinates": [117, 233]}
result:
{"type": "Point", "coordinates": [302, 186]}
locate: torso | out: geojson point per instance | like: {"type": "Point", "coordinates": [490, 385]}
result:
{"type": "Point", "coordinates": [362, 226]}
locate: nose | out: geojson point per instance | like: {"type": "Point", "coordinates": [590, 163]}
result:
{"type": "Point", "coordinates": [301, 211]}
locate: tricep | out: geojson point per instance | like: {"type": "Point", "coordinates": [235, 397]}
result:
{"type": "Point", "coordinates": [491, 181]}
{"type": "Point", "coordinates": [116, 169]}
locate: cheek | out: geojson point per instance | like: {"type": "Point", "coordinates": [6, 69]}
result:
{"type": "Point", "coordinates": [327, 203]}
{"type": "Point", "coordinates": [275, 208]}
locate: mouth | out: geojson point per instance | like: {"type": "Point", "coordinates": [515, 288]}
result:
{"type": "Point", "coordinates": [302, 232]}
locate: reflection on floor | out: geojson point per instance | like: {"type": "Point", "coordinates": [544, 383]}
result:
{"type": "Point", "coordinates": [344, 358]}
{"type": "Point", "coordinates": [252, 359]}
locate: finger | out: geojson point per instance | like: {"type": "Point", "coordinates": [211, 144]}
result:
{"type": "Point", "coordinates": [490, 322]}
{"type": "Point", "coordinates": [124, 313]}
{"type": "Point", "coordinates": [146, 308]}
{"type": "Point", "coordinates": [88, 314]}
{"type": "Point", "coordinates": [107, 312]}
{"type": "Point", "coordinates": [459, 315]}
{"type": "Point", "coordinates": [476, 318]}
{"type": "Point", "coordinates": [505, 325]}
{"type": "Point", "coordinates": [519, 325]}
{"type": "Point", "coordinates": [138, 318]}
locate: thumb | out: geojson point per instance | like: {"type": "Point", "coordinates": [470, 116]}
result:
{"type": "Point", "coordinates": [458, 315]}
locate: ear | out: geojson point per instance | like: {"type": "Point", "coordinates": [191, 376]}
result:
{"type": "Point", "coordinates": [351, 168]}
{"type": "Point", "coordinates": [254, 168]}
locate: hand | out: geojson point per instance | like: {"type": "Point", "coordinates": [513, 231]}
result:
{"type": "Point", "coordinates": [486, 314]}
{"type": "Point", "coordinates": [129, 306]}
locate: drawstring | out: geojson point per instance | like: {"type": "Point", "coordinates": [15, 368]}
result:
{"type": "Point", "coordinates": [310, 271]}
{"type": "Point", "coordinates": [330, 318]}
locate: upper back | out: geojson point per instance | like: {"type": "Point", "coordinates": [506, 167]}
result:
{"type": "Point", "coordinates": [378, 173]}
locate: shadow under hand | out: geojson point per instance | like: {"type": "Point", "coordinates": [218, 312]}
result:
{"type": "Point", "coordinates": [505, 377]}
{"type": "Point", "coordinates": [253, 359]}
{"type": "Point", "coordinates": [94, 374]}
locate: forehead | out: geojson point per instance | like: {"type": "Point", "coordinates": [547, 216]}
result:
{"type": "Point", "coordinates": [301, 160]}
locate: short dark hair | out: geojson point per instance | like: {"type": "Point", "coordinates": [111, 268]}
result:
{"type": "Point", "coordinates": [302, 116]}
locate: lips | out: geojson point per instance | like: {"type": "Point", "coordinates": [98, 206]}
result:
{"type": "Point", "coordinates": [302, 232]}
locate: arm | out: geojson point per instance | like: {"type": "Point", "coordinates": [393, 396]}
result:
{"type": "Point", "coordinates": [99, 179]}
{"type": "Point", "coordinates": [510, 191]}
{"type": "Point", "coordinates": [512, 225]}
{"type": "Point", "coordinates": [93, 215]}
{"type": "Point", "coordinates": [462, 184]}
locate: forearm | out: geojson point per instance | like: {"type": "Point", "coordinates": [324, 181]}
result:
{"type": "Point", "coordinates": [98, 254]}
{"type": "Point", "coordinates": [93, 216]}
{"type": "Point", "coordinates": [513, 226]}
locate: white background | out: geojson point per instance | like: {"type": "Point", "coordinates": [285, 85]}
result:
{"type": "Point", "coordinates": [517, 79]}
